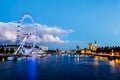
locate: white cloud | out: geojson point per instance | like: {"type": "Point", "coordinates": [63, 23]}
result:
{"type": "Point", "coordinates": [55, 31]}
{"type": "Point", "coordinates": [45, 34]}
{"type": "Point", "coordinates": [8, 31]}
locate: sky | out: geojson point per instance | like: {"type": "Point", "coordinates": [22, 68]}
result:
{"type": "Point", "coordinates": [64, 24]}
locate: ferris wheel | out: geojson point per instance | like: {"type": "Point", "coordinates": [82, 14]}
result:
{"type": "Point", "coordinates": [26, 38]}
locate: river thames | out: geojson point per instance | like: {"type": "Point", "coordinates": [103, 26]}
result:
{"type": "Point", "coordinates": [61, 67]}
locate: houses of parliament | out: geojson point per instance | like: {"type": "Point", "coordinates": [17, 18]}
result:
{"type": "Point", "coordinates": [90, 48]}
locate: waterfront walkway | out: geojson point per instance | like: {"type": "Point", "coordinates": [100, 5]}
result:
{"type": "Point", "coordinates": [5, 56]}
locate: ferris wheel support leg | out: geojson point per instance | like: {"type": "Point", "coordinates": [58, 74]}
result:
{"type": "Point", "coordinates": [21, 45]}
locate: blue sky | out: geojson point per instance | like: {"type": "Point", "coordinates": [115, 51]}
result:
{"type": "Point", "coordinates": [90, 19]}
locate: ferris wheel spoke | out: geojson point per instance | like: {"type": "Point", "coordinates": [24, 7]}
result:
{"type": "Point", "coordinates": [23, 38]}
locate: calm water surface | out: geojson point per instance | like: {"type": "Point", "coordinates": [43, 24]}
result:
{"type": "Point", "coordinates": [61, 67]}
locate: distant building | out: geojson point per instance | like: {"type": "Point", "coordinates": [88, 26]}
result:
{"type": "Point", "coordinates": [82, 51]}
{"type": "Point", "coordinates": [9, 46]}
{"type": "Point", "coordinates": [44, 48]}
{"type": "Point", "coordinates": [86, 51]}
{"type": "Point", "coordinates": [95, 46]}
{"type": "Point", "coordinates": [90, 46]}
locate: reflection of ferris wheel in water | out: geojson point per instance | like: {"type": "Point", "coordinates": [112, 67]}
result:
{"type": "Point", "coordinates": [26, 39]}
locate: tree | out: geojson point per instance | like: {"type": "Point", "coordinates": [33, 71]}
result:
{"type": "Point", "coordinates": [57, 50]}
{"type": "Point", "coordinates": [12, 50]}
{"type": "Point", "coordinates": [2, 50]}
{"type": "Point", "coordinates": [7, 51]}
{"type": "Point", "coordinates": [77, 47]}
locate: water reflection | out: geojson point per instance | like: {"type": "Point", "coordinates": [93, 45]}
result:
{"type": "Point", "coordinates": [101, 58]}
{"type": "Point", "coordinates": [32, 70]}
{"type": "Point", "coordinates": [62, 67]}
{"type": "Point", "coordinates": [115, 65]}
{"type": "Point", "coordinates": [112, 63]}
{"type": "Point", "coordinates": [3, 59]}
{"type": "Point", "coordinates": [77, 60]}
{"type": "Point", "coordinates": [96, 61]}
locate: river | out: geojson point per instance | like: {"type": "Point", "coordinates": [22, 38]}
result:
{"type": "Point", "coordinates": [61, 67]}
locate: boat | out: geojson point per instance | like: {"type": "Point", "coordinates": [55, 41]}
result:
{"type": "Point", "coordinates": [16, 58]}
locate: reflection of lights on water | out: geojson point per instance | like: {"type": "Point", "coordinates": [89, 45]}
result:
{"type": "Point", "coordinates": [77, 60]}
{"type": "Point", "coordinates": [32, 68]}
{"type": "Point", "coordinates": [62, 55]}
{"type": "Point", "coordinates": [3, 59]}
{"type": "Point", "coordinates": [96, 61]}
{"type": "Point", "coordinates": [49, 55]}
{"type": "Point", "coordinates": [117, 61]}
{"type": "Point", "coordinates": [75, 55]}
{"type": "Point", "coordinates": [56, 56]}
{"type": "Point", "coordinates": [86, 55]}
{"type": "Point", "coordinates": [68, 55]}
{"type": "Point", "coordinates": [101, 58]}
{"type": "Point", "coordinates": [112, 63]}
{"type": "Point", "coordinates": [96, 58]}
{"type": "Point", "coordinates": [78, 56]}
{"type": "Point", "coordinates": [105, 58]}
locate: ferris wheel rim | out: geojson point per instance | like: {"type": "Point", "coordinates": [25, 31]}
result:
{"type": "Point", "coordinates": [19, 34]}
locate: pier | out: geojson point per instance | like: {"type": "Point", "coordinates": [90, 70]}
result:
{"type": "Point", "coordinates": [5, 56]}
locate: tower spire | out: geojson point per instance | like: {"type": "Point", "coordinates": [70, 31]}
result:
{"type": "Point", "coordinates": [95, 46]}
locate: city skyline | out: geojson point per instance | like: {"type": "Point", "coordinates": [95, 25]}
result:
{"type": "Point", "coordinates": [70, 22]}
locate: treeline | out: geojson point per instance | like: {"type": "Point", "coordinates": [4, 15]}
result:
{"type": "Point", "coordinates": [108, 49]}
{"type": "Point", "coordinates": [7, 50]}
{"type": "Point", "coordinates": [51, 51]}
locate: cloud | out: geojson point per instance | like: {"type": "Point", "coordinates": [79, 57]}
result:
{"type": "Point", "coordinates": [8, 31]}
{"type": "Point", "coordinates": [45, 34]}
{"type": "Point", "coordinates": [55, 31]}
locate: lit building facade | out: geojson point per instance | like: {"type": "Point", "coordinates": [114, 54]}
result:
{"type": "Point", "coordinates": [95, 46]}
{"type": "Point", "coordinates": [90, 46]}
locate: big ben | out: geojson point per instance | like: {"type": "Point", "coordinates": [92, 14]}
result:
{"type": "Point", "coordinates": [95, 46]}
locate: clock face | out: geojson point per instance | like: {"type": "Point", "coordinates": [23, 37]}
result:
{"type": "Point", "coordinates": [95, 44]}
